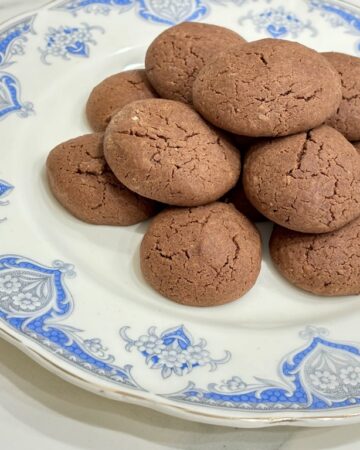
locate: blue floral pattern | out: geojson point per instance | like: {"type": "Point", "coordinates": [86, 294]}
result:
{"type": "Point", "coordinates": [320, 375]}
{"type": "Point", "coordinates": [10, 97]}
{"type": "Point", "coordinates": [94, 6]}
{"type": "Point", "coordinates": [67, 41]}
{"type": "Point", "coordinates": [5, 189]}
{"type": "Point", "coordinates": [278, 23]}
{"type": "Point", "coordinates": [34, 300]}
{"type": "Point", "coordinates": [168, 12]}
{"type": "Point", "coordinates": [338, 16]}
{"type": "Point", "coordinates": [174, 351]}
{"type": "Point", "coordinates": [171, 12]}
{"type": "Point", "coordinates": [12, 39]}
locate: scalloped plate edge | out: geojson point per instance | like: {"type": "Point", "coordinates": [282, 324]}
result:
{"type": "Point", "coordinates": [151, 401]}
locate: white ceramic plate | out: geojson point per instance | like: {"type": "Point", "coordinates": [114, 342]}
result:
{"type": "Point", "coordinates": [277, 356]}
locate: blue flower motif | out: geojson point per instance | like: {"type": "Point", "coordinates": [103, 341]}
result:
{"type": "Point", "coordinates": [338, 16]}
{"type": "Point", "coordinates": [171, 12]}
{"type": "Point", "coordinates": [5, 189]}
{"type": "Point", "coordinates": [94, 6]}
{"type": "Point", "coordinates": [278, 23]}
{"type": "Point", "coordinates": [321, 375]}
{"type": "Point", "coordinates": [10, 97]}
{"type": "Point", "coordinates": [12, 39]}
{"type": "Point", "coordinates": [173, 351]}
{"type": "Point", "coordinates": [233, 384]}
{"type": "Point", "coordinates": [350, 375]}
{"type": "Point", "coordinates": [9, 285]}
{"type": "Point", "coordinates": [324, 379]}
{"type": "Point", "coordinates": [25, 301]}
{"type": "Point", "coordinates": [24, 293]}
{"type": "Point", "coordinates": [34, 301]}
{"type": "Point", "coordinates": [67, 41]}
{"type": "Point", "coordinates": [96, 348]}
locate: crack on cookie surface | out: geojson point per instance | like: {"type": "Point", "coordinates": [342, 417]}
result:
{"type": "Point", "coordinates": [170, 154]}
{"type": "Point", "coordinates": [175, 57]}
{"type": "Point", "coordinates": [346, 118]}
{"type": "Point", "coordinates": [308, 182]}
{"type": "Point", "coordinates": [267, 88]}
{"type": "Point", "coordinates": [325, 264]}
{"type": "Point", "coordinates": [201, 256]}
{"type": "Point", "coordinates": [83, 183]}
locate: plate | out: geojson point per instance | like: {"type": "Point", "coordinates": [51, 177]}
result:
{"type": "Point", "coordinates": [71, 294]}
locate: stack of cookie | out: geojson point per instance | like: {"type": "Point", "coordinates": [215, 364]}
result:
{"type": "Point", "coordinates": [169, 138]}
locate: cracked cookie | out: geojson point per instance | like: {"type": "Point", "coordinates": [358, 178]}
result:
{"type": "Point", "coordinates": [203, 256]}
{"type": "Point", "coordinates": [324, 264]}
{"type": "Point", "coordinates": [115, 92]}
{"type": "Point", "coordinates": [308, 182]}
{"type": "Point", "coordinates": [175, 57]}
{"type": "Point", "coordinates": [269, 87]}
{"type": "Point", "coordinates": [347, 117]}
{"type": "Point", "coordinates": [82, 182]}
{"type": "Point", "coordinates": [164, 150]}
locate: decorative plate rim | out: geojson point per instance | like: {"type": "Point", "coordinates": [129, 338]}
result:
{"type": "Point", "coordinates": [40, 356]}
{"type": "Point", "coordinates": [149, 399]}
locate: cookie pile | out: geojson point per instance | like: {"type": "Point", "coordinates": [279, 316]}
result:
{"type": "Point", "coordinates": [167, 143]}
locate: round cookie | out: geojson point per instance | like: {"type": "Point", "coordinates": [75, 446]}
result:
{"type": "Point", "coordinates": [82, 182]}
{"type": "Point", "coordinates": [324, 264]}
{"type": "Point", "coordinates": [308, 182]}
{"type": "Point", "coordinates": [115, 92]}
{"type": "Point", "coordinates": [347, 117]}
{"type": "Point", "coordinates": [269, 87]}
{"type": "Point", "coordinates": [175, 57]}
{"type": "Point", "coordinates": [164, 150]}
{"type": "Point", "coordinates": [203, 256]}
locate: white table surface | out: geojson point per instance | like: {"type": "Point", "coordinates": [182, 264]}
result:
{"type": "Point", "coordinates": [40, 411]}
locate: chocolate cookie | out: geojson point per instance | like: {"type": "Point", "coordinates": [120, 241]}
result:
{"type": "Point", "coordinates": [175, 57]}
{"type": "Point", "coordinates": [347, 117]}
{"type": "Point", "coordinates": [324, 264]}
{"type": "Point", "coordinates": [269, 87]}
{"type": "Point", "coordinates": [82, 182]}
{"type": "Point", "coordinates": [203, 256]}
{"type": "Point", "coordinates": [115, 92]}
{"type": "Point", "coordinates": [164, 150]}
{"type": "Point", "coordinates": [308, 182]}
